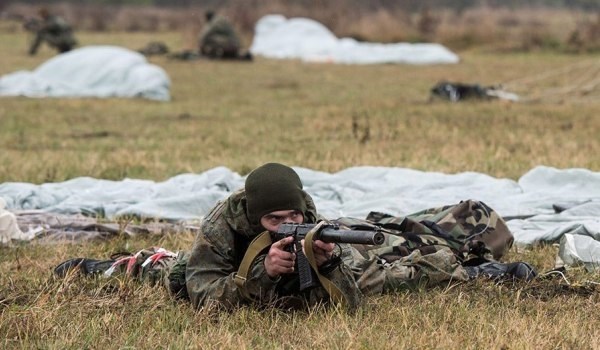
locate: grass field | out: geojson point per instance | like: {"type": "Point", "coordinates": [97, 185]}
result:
{"type": "Point", "coordinates": [324, 117]}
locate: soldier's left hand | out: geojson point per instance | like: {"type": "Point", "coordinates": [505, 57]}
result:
{"type": "Point", "coordinates": [322, 251]}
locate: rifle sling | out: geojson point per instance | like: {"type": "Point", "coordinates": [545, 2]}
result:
{"type": "Point", "coordinates": [334, 292]}
{"type": "Point", "coordinates": [258, 244]}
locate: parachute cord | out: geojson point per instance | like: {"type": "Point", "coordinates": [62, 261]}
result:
{"type": "Point", "coordinates": [556, 272]}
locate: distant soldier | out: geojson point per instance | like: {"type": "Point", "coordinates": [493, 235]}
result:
{"type": "Point", "coordinates": [219, 39]}
{"type": "Point", "coordinates": [52, 29]}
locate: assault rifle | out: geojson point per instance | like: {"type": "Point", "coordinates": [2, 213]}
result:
{"type": "Point", "coordinates": [328, 233]}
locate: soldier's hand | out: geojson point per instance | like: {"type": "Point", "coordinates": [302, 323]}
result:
{"type": "Point", "coordinates": [322, 251]}
{"type": "Point", "coordinates": [278, 261]}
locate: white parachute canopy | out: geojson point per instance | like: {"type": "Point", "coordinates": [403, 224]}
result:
{"type": "Point", "coordinates": [305, 39]}
{"type": "Point", "coordinates": [91, 71]}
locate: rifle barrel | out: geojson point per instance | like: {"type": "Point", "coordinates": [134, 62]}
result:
{"type": "Point", "coordinates": [331, 235]}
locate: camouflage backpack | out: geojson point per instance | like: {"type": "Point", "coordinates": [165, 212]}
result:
{"type": "Point", "coordinates": [471, 229]}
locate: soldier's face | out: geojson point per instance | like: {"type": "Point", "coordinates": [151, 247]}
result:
{"type": "Point", "coordinates": [272, 220]}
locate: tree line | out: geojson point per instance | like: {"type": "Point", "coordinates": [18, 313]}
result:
{"type": "Point", "coordinates": [407, 5]}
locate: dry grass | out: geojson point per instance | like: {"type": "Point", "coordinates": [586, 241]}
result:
{"type": "Point", "coordinates": [317, 115]}
{"type": "Point", "coordinates": [38, 311]}
{"type": "Point", "coordinates": [323, 117]}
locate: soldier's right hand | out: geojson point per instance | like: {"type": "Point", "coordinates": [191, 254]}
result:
{"type": "Point", "coordinates": [278, 261]}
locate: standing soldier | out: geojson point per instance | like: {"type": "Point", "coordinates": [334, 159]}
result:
{"type": "Point", "coordinates": [55, 31]}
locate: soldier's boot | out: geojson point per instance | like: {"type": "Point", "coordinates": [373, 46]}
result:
{"type": "Point", "coordinates": [84, 265]}
{"type": "Point", "coordinates": [502, 271]}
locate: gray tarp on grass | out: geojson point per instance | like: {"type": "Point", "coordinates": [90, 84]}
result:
{"type": "Point", "coordinates": [544, 205]}
{"type": "Point", "coordinates": [91, 71]}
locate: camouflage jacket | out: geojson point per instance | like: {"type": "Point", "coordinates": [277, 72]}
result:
{"type": "Point", "coordinates": [56, 32]}
{"type": "Point", "coordinates": [220, 245]}
{"type": "Point", "coordinates": [219, 33]}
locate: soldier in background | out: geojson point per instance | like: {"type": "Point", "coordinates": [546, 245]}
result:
{"type": "Point", "coordinates": [53, 30]}
{"type": "Point", "coordinates": [219, 39]}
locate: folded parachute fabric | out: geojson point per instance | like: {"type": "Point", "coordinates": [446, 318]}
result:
{"type": "Point", "coordinates": [545, 205]}
{"type": "Point", "coordinates": [9, 230]}
{"type": "Point", "coordinates": [182, 197]}
{"type": "Point", "coordinates": [305, 39]}
{"type": "Point", "coordinates": [47, 227]}
{"type": "Point", "coordinates": [91, 71]}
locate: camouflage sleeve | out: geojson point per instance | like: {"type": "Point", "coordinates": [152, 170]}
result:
{"type": "Point", "coordinates": [210, 277]}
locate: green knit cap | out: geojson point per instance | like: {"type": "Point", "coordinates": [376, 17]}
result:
{"type": "Point", "coordinates": [272, 187]}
